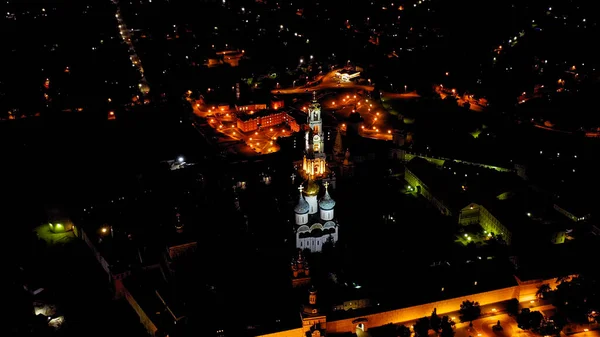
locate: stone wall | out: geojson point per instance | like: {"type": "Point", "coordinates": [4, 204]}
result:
{"type": "Point", "coordinates": [528, 289]}
{"type": "Point", "coordinates": [144, 319]}
{"type": "Point", "coordinates": [416, 312]}
{"type": "Point", "coordinates": [298, 332]}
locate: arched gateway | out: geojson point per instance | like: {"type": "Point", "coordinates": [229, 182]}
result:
{"type": "Point", "coordinates": [361, 324]}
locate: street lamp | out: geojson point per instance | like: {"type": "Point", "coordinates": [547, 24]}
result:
{"type": "Point", "coordinates": [405, 88]}
{"type": "Point", "coordinates": [294, 85]}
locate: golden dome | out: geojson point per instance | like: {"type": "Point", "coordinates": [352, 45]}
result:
{"type": "Point", "coordinates": [311, 188]}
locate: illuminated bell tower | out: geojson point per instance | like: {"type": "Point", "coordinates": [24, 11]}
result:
{"type": "Point", "coordinates": [314, 158]}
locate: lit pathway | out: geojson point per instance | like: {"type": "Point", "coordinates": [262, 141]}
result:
{"type": "Point", "coordinates": [135, 60]}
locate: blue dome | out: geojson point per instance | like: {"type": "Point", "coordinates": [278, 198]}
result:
{"type": "Point", "coordinates": [326, 203]}
{"type": "Point", "coordinates": [302, 207]}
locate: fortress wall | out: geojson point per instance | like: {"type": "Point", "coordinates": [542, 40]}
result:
{"type": "Point", "coordinates": [419, 311]}
{"type": "Point", "coordinates": [287, 333]}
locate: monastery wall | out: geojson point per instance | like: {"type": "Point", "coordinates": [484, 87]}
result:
{"type": "Point", "coordinates": [419, 311]}
{"type": "Point", "coordinates": [298, 332]}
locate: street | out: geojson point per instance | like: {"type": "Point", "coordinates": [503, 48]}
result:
{"type": "Point", "coordinates": [135, 60]}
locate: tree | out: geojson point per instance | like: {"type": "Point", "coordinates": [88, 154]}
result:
{"type": "Point", "coordinates": [422, 327]}
{"type": "Point", "coordinates": [469, 311]}
{"type": "Point", "coordinates": [403, 331]}
{"type": "Point", "coordinates": [447, 331]}
{"type": "Point", "coordinates": [559, 321]}
{"type": "Point", "coordinates": [435, 321]}
{"type": "Point", "coordinates": [528, 319]}
{"type": "Point", "coordinates": [543, 290]}
{"type": "Point", "coordinates": [535, 319]}
{"type": "Point", "coordinates": [446, 326]}
{"type": "Point", "coordinates": [523, 319]}
{"type": "Point", "coordinates": [512, 307]}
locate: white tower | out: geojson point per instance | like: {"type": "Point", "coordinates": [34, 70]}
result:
{"type": "Point", "coordinates": [316, 125]}
{"type": "Point", "coordinates": [314, 159]}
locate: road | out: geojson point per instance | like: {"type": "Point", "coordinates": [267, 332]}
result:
{"type": "Point", "coordinates": [135, 60]}
{"type": "Point", "coordinates": [328, 81]}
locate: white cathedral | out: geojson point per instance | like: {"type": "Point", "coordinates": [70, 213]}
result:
{"type": "Point", "coordinates": [315, 219]}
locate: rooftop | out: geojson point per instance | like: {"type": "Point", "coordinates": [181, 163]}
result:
{"type": "Point", "coordinates": [458, 184]}
{"type": "Point", "coordinates": [442, 184]}
{"type": "Point", "coordinates": [257, 114]}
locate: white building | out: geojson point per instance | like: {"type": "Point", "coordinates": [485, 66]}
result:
{"type": "Point", "coordinates": [347, 75]}
{"type": "Point", "coordinates": [315, 219]}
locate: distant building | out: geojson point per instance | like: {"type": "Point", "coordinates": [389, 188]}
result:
{"type": "Point", "coordinates": [250, 107]}
{"type": "Point", "coordinates": [231, 57]}
{"type": "Point", "coordinates": [277, 103]}
{"type": "Point", "coordinates": [346, 75]}
{"type": "Point", "coordinates": [265, 118]}
{"type": "Point", "coordinates": [571, 213]}
{"type": "Point", "coordinates": [353, 305]}
{"type": "Point", "coordinates": [477, 214]}
{"type": "Point", "coordinates": [424, 177]}
{"type": "Point", "coordinates": [300, 271]}
{"type": "Point", "coordinates": [314, 323]}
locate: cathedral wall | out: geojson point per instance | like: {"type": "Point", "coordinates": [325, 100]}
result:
{"type": "Point", "coordinates": [419, 311]}
{"type": "Point", "coordinates": [313, 203]}
{"type": "Point", "coordinates": [326, 214]}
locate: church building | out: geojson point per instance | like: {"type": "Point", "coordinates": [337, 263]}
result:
{"type": "Point", "coordinates": [315, 219]}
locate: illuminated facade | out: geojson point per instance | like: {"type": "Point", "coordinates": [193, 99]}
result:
{"type": "Point", "coordinates": [265, 118]}
{"type": "Point", "coordinates": [277, 103]}
{"type": "Point", "coordinates": [300, 271]}
{"type": "Point", "coordinates": [414, 181]}
{"type": "Point", "coordinates": [315, 219]}
{"type": "Point", "coordinates": [250, 107]}
{"type": "Point", "coordinates": [314, 162]}
{"type": "Point", "coordinates": [477, 214]}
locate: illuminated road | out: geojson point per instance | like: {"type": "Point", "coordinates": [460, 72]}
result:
{"type": "Point", "coordinates": [135, 60]}
{"type": "Point", "coordinates": [328, 81]}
